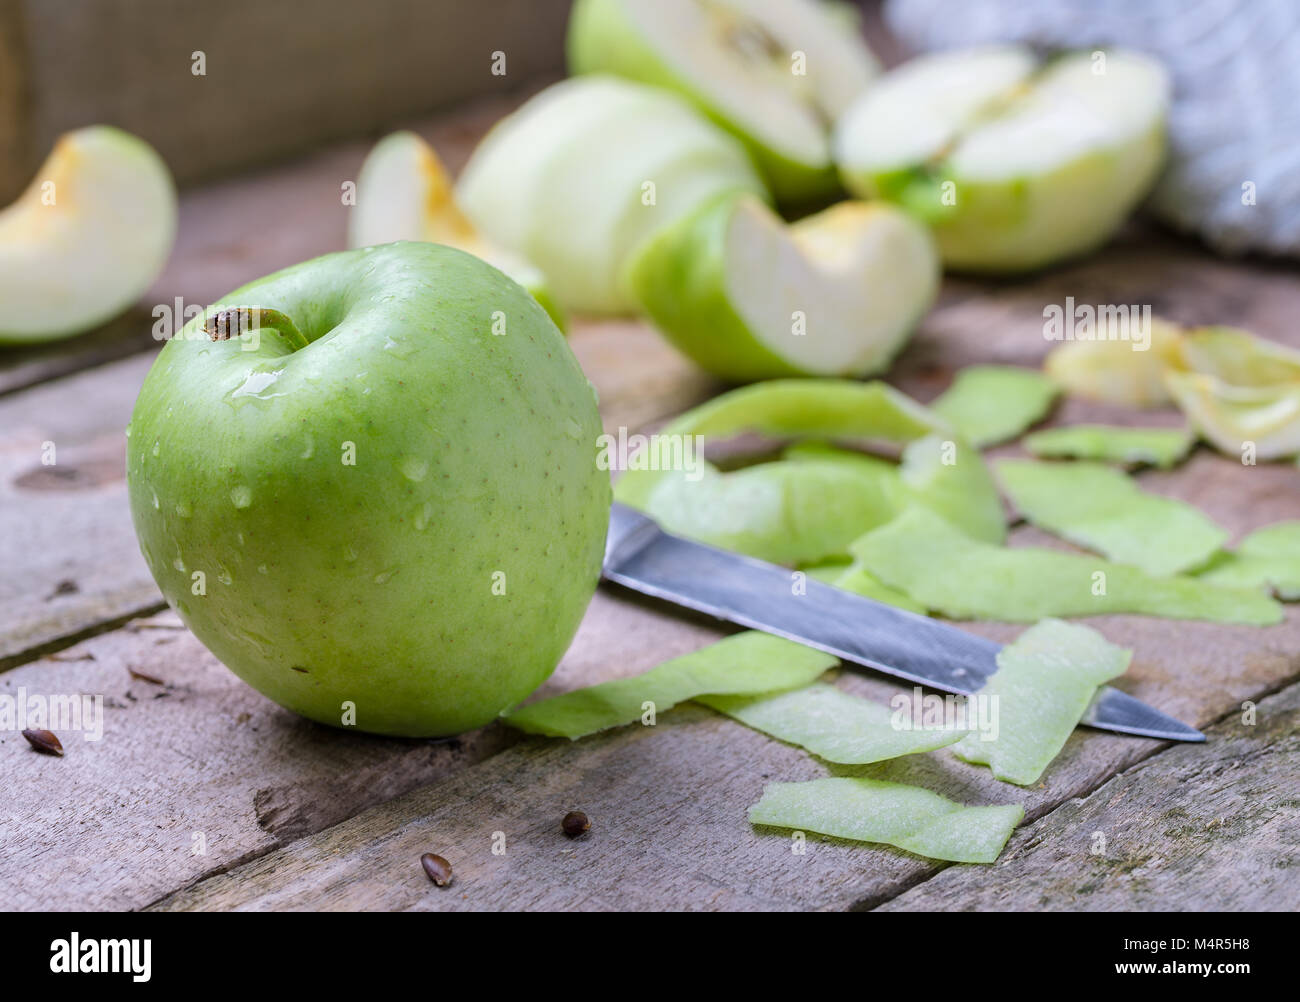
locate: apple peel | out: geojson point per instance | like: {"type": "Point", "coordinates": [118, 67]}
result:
{"type": "Point", "coordinates": [945, 570]}
{"type": "Point", "coordinates": [832, 724]}
{"type": "Point", "coordinates": [990, 404]}
{"type": "Point", "coordinates": [1162, 448]}
{"type": "Point", "coordinates": [1042, 688]}
{"type": "Point", "coordinates": [749, 662]}
{"type": "Point", "coordinates": [1268, 558]}
{"type": "Point", "coordinates": [786, 511]}
{"type": "Point", "coordinates": [1104, 510]}
{"type": "Point", "coordinates": [907, 817]}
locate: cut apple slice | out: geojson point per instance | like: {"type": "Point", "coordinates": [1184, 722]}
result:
{"type": "Point", "coordinates": [1265, 419]}
{"type": "Point", "coordinates": [772, 72]}
{"type": "Point", "coordinates": [748, 297]}
{"type": "Point", "coordinates": [87, 238]}
{"type": "Point", "coordinates": [405, 193]}
{"type": "Point", "coordinates": [1016, 167]}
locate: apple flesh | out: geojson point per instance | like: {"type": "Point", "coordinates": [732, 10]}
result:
{"type": "Point", "coordinates": [87, 238]}
{"type": "Point", "coordinates": [586, 171]}
{"type": "Point", "coordinates": [370, 500]}
{"type": "Point", "coordinates": [748, 297]}
{"type": "Point", "coordinates": [772, 72]}
{"type": "Point", "coordinates": [1016, 166]}
{"type": "Point", "coordinates": [405, 193]}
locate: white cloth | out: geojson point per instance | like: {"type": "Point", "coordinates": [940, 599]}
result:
{"type": "Point", "coordinates": [1236, 114]}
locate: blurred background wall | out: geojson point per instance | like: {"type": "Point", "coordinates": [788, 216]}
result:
{"type": "Point", "coordinates": [217, 85]}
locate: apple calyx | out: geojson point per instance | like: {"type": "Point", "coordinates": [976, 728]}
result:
{"type": "Point", "coordinates": [239, 320]}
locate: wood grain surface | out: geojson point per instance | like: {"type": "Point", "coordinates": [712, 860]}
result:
{"type": "Point", "coordinates": [294, 815]}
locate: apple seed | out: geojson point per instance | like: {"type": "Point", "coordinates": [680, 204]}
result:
{"type": "Point", "coordinates": [44, 741]}
{"type": "Point", "coordinates": [575, 823]}
{"type": "Point", "coordinates": [438, 869]}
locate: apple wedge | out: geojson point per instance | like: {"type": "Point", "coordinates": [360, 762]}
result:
{"type": "Point", "coordinates": [587, 170]}
{"type": "Point", "coordinates": [1017, 166]}
{"type": "Point", "coordinates": [748, 297]}
{"type": "Point", "coordinates": [87, 238]}
{"type": "Point", "coordinates": [405, 193]}
{"type": "Point", "coordinates": [772, 72]}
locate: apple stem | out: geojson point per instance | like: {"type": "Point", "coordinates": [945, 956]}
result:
{"type": "Point", "coordinates": [225, 324]}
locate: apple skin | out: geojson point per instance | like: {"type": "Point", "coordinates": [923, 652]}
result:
{"type": "Point", "coordinates": [373, 583]}
{"type": "Point", "coordinates": [601, 39]}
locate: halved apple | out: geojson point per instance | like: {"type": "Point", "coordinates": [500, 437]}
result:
{"type": "Point", "coordinates": [1016, 166]}
{"type": "Point", "coordinates": [405, 193]}
{"type": "Point", "coordinates": [87, 238]}
{"type": "Point", "coordinates": [775, 73]}
{"type": "Point", "coordinates": [749, 297]}
{"type": "Point", "coordinates": [587, 170]}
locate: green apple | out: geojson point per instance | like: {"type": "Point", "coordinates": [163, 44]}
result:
{"type": "Point", "coordinates": [586, 171]}
{"type": "Point", "coordinates": [384, 495]}
{"type": "Point", "coordinates": [87, 238]}
{"type": "Point", "coordinates": [405, 193]}
{"type": "Point", "coordinates": [772, 72]}
{"type": "Point", "coordinates": [749, 297]}
{"type": "Point", "coordinates": [1016, 165]}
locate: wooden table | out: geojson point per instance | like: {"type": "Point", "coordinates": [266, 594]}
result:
{"type": "Point", "coordinates": [204, 795]}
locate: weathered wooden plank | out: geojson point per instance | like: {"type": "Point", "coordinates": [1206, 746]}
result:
{"type": "Point", "coordinates": [69, 555]}
{"type": "Point", "coordinates": [668, 805]}
{"type": "Point", "coordinates": [112, 824]}
{"type": "Point", "coordinates": [1196, 828]}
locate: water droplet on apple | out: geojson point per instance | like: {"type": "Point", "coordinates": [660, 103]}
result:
{"type": "Point", "coordinates": [309, 448]}
{"type": "Point", "coordinates": [224, 576]}
{"type": "Point", "coordinates": [156, 503]}
{"type": "Point", "coordinates": [183, 509]}
{"type": "Point", "coordinates": [414, 468]}
{"type": "Point", "coordinates": [156, 448]}
{"type": "Point", "coordinates": [573, 430]}
{"type": "Point", "coordinates": [423, 515]}
{"type": "Point", "coordinates": [349, 553]}
{"type": "Point", "coordinates": [257, 386]}
{"type": "Point", "coordinates": [383, 576]}
{"type": "Point", "coordinates": [179, 564]}
{"type": "Point", "coordinates": [263, 569]}
{"type": "Point", "coordinates": [241, 496]}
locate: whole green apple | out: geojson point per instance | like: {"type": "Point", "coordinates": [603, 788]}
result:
{"type": "Point", "coordinates": [380, 504]}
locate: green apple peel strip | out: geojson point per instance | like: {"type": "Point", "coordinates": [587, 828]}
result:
{"type": "Point", "coordinates": [1104, 510]}
{"type": "Point", "coordinates": [1044, 683]}
{"type": "Point", "coordinates": [1269, 558]}
{"type": "Point", "coordinates": [963, 578]}
{"type": "Point", "coordinates": [810, 510]}
{"type": "Point", "coordinates": [996, 403]}
{"type": "Point", "coordinates": [748, 662]}
{"type": "Point", "coordinates": [832, 724]}
{"type": "Point", "coordinates": [908, 817]}
{"type": "Point", "coordinates": [1159, 447]}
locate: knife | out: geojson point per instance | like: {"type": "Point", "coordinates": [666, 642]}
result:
{"type": "Point", "coordinates": [752, 593]}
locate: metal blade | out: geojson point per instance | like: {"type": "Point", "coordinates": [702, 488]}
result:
{"type": "Point", "coordinates": [762, 596]}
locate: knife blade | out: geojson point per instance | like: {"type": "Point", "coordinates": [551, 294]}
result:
{"type": "Point", "coordinates": [755, 594]}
